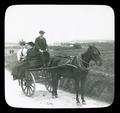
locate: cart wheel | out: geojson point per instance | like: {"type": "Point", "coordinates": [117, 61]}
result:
{"type": "Point", "coordinates": [28, 85]}
{"type": "Point", "coordinates": [48, 82]}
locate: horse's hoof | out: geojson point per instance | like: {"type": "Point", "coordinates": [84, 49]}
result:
{"type": "Point", "coordinates": [84, 103]}
{"type": "Point", "coordinates": [56, 96]}
{"type": "Point", "coordinates": [78, 104]}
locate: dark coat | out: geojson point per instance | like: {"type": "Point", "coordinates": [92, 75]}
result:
{"type": "Point", "coordinates": [40, 43]}
{"type": "Point", "coordinates": [33, 59]}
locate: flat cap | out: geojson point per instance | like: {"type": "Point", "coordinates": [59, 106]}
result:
{"type": "Point", "coordinates": [41, 32]}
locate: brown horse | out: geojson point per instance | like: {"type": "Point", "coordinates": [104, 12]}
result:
{"type": "Point", "coordinates": [78, 72]}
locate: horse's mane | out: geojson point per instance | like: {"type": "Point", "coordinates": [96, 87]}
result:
{"type": "Point", "coordinates": [77, 60]}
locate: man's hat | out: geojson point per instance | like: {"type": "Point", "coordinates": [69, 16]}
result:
{"type": "Point", "coordinates": [30, 43]}
{"type": "Point", "coordinates": [22, 43]}
{"type": "Point", "coordinates": [42, 32]}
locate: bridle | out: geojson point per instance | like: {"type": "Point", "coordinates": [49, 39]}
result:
{"type": "Point", "coordinates": [83, 60]}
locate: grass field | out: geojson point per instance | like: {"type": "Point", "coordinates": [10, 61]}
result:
{"type": "Point", "coordinates": [106, 49]}
{"type": "Point", "coordinates": [97, 85]}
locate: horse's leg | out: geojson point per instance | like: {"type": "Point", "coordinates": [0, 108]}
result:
{"type": "Point", "coordinates": [77, 90]}
{"type": "Point", "coordinates": [82, 90]}
{"type": "Point", "coordinates": [53, 85]}
{"type": "Point", "coordinates": [56, 86]}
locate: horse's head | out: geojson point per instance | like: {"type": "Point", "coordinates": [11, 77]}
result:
{"type": "Point", "coordinates": [95, 54]}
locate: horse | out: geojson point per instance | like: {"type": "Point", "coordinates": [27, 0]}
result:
{"type": "Point", "coordinates": [78, 71]}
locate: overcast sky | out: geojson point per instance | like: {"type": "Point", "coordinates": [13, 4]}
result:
{"type": "Point", "coordinates": [60, 22]}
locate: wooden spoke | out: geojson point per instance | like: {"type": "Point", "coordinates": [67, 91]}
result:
{"type": "Point", "coordinates": [25, 88]}
{"type": "Point", "coordinates": [29, 91]}
{"type": "Point", "coordinates": [48, 82]}
{"type": "Point", "coordinates": [49, 88]}
{"type": "Point", "coordinates": [28, 85]}
{"type": "Point", "coordinates": [30, 88]}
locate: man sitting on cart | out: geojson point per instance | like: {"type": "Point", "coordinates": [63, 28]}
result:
{"type": "Point", "coordinates": [31, 60]}
{"type": "Point", "coordinates": [42, 47]}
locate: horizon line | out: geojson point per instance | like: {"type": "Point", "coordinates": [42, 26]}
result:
{"type": "Point", "coordinates": [71, 41]}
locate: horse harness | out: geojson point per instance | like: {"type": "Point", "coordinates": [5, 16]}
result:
{"type": "Point", "coordinates": [80, 64]}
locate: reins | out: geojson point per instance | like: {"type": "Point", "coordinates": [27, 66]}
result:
{"type": "Point", "coordinates": [83, 60]}
{"type": "Point", "coordinates": [68, 57]}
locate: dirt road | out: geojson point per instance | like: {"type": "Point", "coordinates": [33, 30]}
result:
{"type": "Point", "coordinates": [42, 98]}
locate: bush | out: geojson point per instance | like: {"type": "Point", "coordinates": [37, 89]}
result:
{"type": "Point", "coordinates": [77, 46]}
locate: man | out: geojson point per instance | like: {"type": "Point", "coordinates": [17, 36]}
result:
{"type": "Point", "coordinates": [42, 47]}
{"type": "Point", "coordinates": [32, 56]}
{"type": "Point", "coordinates": [21, 54]}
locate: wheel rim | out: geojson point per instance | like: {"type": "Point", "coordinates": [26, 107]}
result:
{"type": "Point", "coordinates": [28, 85]}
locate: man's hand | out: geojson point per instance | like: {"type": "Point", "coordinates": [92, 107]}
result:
{"type": "Point", "coordinates": [40, 50]}
{"type": "Point", "coordinates": [44, 50]}
{"type": "Point", "coordinates": [47, 50]}
{"type": "Point", "coordinates": [21, 60]}
{"type": "Point", "coordinates": [23, 57]}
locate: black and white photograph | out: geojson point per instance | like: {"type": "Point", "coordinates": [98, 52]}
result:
{"type": "Point", "coordinates": [59, 56]}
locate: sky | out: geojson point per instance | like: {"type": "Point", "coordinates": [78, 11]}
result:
{"type": "Point", "coordinates": [60, 22]}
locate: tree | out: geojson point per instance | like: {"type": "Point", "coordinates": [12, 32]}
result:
{"type": "Point", "coordinates": [77, 46]}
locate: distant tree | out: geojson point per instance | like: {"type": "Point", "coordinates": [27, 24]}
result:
{"type": "Point", "coordinates": [77, 46]}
